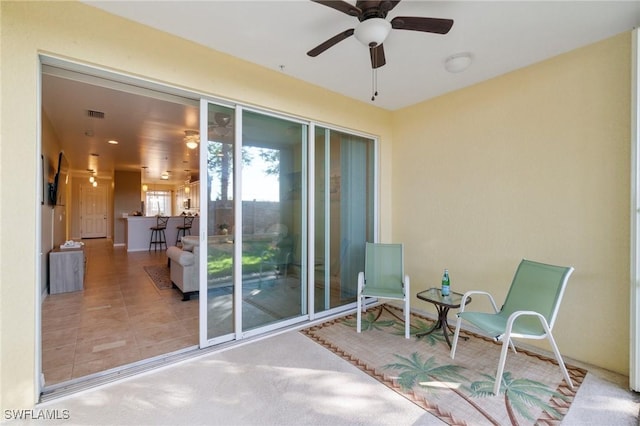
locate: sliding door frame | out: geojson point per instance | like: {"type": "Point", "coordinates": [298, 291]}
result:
{"type": "Point", "coordinates": [634, 313]}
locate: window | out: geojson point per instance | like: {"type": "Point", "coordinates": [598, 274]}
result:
{"type": "Point", "coordinates": [158, 203]}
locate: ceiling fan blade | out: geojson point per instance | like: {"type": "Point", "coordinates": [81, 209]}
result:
{"type": "Point", "coordinates": [428, 25]}
{"type": "Point", "coordinates": [329, 43]}
{"type": "Point", "coordinates": [386, 6]}
{"type": "Point", "coordinates": [377, 56]}
{"type": "Point", "coordinates": [341, 6]}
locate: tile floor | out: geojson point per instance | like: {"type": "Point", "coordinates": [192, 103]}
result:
{"type": "Point", "coordinates": [119, 318]}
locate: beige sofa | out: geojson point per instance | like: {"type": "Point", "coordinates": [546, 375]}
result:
{"type": "Point", "coordinates": [183, 266]}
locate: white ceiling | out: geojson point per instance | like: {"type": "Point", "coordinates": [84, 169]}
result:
{"type": "Point", "coordinates": [502, 36]}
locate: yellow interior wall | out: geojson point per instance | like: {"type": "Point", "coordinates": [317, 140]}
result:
{"type": "Point", "coordinates": [74, 31]}
{"type": "Point", "coordinates": [534, 164]}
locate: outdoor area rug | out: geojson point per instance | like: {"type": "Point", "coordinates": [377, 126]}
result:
{"type": "Point", "coordinates": [458, 391]}
{"type": "Point", "coordinates": [159, 274]}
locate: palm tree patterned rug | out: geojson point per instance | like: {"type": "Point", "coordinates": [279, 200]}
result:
{"type": "Point", "coordinates": [457, 391]}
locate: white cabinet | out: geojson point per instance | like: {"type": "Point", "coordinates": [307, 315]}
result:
{"type": "Point", "coordinates": [188, 197]}
{"type": "Point", "coordinates": [195, 195]}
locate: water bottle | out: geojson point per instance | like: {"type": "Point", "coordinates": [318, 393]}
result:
{"type": "Point", "coordinates": [446, 283]}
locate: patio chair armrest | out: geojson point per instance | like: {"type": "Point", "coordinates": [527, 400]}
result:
{"type": "Point", "coordinates": [517, 314]}
{"type": "Point", "coordinates": [406, 285]}
{"type": "Point", "coordinates": [469, 293]}
{"type": "Point", "coordinates": [360, 282]}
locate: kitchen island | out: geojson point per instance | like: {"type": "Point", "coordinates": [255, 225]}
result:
{"type": "Point", "coordinates": [137, 231]}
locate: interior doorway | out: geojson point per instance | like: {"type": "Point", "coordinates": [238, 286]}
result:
{"type": "Point", "coordinates": [93, 211]}
{"type": "Point", "coordinates": [105, 128]}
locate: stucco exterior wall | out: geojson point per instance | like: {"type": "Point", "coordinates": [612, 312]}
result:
{"type": "Point", "coordinates": [533, 164]}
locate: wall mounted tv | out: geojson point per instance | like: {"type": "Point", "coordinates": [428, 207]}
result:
{"type": "Point", "coordinates": [58, 189]}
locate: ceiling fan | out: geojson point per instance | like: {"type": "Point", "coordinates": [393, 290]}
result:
{"type": "Point", "coordinates": [373, 28]}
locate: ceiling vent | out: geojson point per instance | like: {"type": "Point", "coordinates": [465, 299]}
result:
{"type": "Point", "coordinates": [95, 114]}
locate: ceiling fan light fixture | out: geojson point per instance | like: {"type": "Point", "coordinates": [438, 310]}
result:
{"type": "Point", "coordinates": [191, 138]}
{"type": "Point", "coordinates": [458, 62]}
{"type": "Point", "coordinates": [372, 32]}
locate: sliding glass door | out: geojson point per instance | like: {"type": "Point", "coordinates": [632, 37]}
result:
{"type": "Point", "coordinates": [344, 214]}
{"type": "Point", "coordinates": [273, 225]}
{"type": "Point", "coordinates": [217, 260]}
{"type": "Point", "coordinates": [268, 262]}
{"type": "Point", "coordinates": [256, 229]}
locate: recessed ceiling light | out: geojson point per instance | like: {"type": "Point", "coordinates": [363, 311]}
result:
{"type": "Point", "coordinates": [112, 142]}
{"type": "Point", "coordinates": [458, 62]}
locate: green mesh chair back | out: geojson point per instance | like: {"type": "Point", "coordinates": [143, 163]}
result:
{"type": "Point", "coordinates": [384, 270]}
{"type": "Point", "coordinates": [536, 287]}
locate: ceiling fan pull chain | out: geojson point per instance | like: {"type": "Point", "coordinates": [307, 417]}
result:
{"type": "Point", "coordinates": [373, 87]}
{"type": "Point", "coordinates": [376, 82]}
{"type": "Point", "coordinates": [374, 76]}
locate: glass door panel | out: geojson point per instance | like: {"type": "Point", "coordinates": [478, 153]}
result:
{"type": "Point", "coordinates": [273, 208]}
{"type": "Point", "coordinates": [344, 214]}
{"type": "Point", "coordinates": [255, 256]}
{"type": "Point", "coordinates": [218, 193]}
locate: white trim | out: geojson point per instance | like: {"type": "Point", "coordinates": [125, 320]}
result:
{"type": "Point", "coordinates": [39, 377]}
{"type": "Point", "coordinates": [306, 281]}
{"type": "Point", "coordinates": [237, 237]}
{"type": "Point", "coordinates": [203, 319]}
{"type": "Point", "coordinates": [311, 218]}
{"type": "Point", "coordinates": [634, 314]}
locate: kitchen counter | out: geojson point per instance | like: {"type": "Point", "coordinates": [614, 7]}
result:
{"type": "Point", "coordinates": [138, 231]}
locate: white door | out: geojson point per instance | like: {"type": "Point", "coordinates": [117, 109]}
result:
{"type": "Point", "coordinates": [93, 211]}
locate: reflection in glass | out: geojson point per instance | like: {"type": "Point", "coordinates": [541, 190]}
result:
{"type": "Point", "coordinates": [220, 221]}
{"type": "Point", "coordinates": [344, 212]}
{"type": "Point", "coordinates": [272, 277]}
{"type": "Point", "coordinates": [272, 202]}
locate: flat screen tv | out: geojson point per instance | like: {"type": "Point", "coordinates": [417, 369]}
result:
{"type": "Point", "coordinates": [58, 188]}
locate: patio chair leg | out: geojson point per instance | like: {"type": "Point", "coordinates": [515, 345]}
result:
{"type": "Point", "coordinates": [407, 320]}
{"type": "Point", "coordinates": [454, 344]}
{"type": "Point", "coordinates": [359, 313]}
{"type": "Point", "coordinates": [556, 351]}
{"type": "Point", "coordinates": [407, 308]}
{"type": "Point", "coordinates": [503, 359]}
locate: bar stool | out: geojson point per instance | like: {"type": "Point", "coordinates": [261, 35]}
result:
{"type": "Point", "coordinates": [185, 228]}
{"type": "Point", "coordinates": [158, 236]}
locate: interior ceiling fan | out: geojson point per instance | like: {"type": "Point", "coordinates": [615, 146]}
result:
{"type": "Point", "coordinates": [373, 28]}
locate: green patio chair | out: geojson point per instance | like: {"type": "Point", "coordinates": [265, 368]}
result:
{"type": "Point", "coordinates": [383, 278]}
{"type": "Point", "coordinates": [529, 311]}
